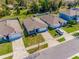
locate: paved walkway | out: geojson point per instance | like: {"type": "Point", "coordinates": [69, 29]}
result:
{"type": "Point", "coordinates": [19, 51]}
{"type": "Point", "coordinates": [6, 55]}
{"type": "Point", "coordinates": [49, 39]}
{"type": "Point", "coordinates": [66, 35]}
{"type": "Point", "coordinates": [74, 32]}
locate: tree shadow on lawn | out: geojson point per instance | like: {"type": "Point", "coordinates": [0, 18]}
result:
{"type": "Point", "coordinates": [4, 41]}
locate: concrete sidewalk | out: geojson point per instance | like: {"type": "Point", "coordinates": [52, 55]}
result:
{"type": "Point", "coordinates": [49, 39]}
{"type": "Point", "coordinates": [19, 51]}
{"type": "Point", "coordinates": [6, 55]}
{"type": "Point", "coordinates": [33, 46]}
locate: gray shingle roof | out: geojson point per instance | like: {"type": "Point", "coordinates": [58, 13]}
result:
{"type": "Point", "coordinates": [76, 10]}
{"type": "Point", "coordinates": [15, 24]}
{"type": "Point", "coordinates": [69, 0]}
{"type": "Point", "coordinates": [50, 19]}
{"type": "Point", "coordinates": [9, 26]}
{"type": "Point", "coordinates": [69, 12]}
{"type": "Point", "coordinates": [31, 24]}
{"type": "Point", "coordinates": [5, 29]}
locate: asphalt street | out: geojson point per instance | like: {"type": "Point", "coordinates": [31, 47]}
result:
{"type": "Point", "coordinates": [62, 51]}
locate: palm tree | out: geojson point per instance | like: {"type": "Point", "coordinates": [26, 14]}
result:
{"type": "Point", "coordinates": [6, 2]}
{"type": "Point", "coordinates": [17, 9]}
{"type": "Point", "coordinates": [60, 3]}
{"type": "Point", "coordinates": [34, 7]}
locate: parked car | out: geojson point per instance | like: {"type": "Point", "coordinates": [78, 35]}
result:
{"type": "Point", "coordinates": [59, 32]}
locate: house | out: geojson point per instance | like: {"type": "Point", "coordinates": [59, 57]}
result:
{"type": "Point", "coordinates": [32, 26]}
{"type": "Point", "coordinates": [77, 13]}
{"type": "Point", "coordinates": [7, 30]}
{"type": "Point", "coordinates": [53, 22]}
{"type": "Point", "coordinates": [68, 15]}
{"type": "Point", "coordinates": [69, 1]}
{"type": "Point", "coordinates": [76, 10]}
{"type": "Point", "coordinates": [14, 23]}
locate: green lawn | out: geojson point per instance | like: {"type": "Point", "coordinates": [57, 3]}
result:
{"type": "Point", "coordinates": [32, 40]}
{"type": "Point", "coordinates": [76, 57]}
{"type": "Point", "coordinates": [76, 34]}
{"type": "Point", "coordinates": [77, 6]}
{"type": "Point", "coordinates": [5, 48]}
{"type": "Point", "coordinates": [71, 29]}
{"type": "Point", "coordinates": [61, 39]}
{"type": "Point", "coordinates": [37, 48]}
{"type": "Point", "coordinates": [10, 57]}
{"type": "Point", "coordinates": [53, 33]}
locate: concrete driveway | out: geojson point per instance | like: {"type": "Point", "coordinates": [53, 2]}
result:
{"type": "Point", "coordinates": [19, 51]}
{"type": "Point", "coordinates": [62, 51]}
{"type": "Point", "coordinates": [47, 36]}
{"type": "Point", "coordinates": [49, 39]}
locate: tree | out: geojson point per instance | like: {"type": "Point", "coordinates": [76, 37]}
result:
{"type": "Point", "coordinates": [17, 9]}
{"type": "Point", "coordinates": [56, 5]}
{"type": "Point", "coordinates": [44, 5]}
{"type": "Point", "coordinates": [34, 7]}
{"type": "Point", "coordinates": [6, 10]}
{"type": "Point", "coordinates": [60, 4]}
{"type": "Point", "coordinates": [1, 11]}
{"type": "Point", "coordinates": [6, 2]}
{"type": "Point", "coordinates": [70, 5]}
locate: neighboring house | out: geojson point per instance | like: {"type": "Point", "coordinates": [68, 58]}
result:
{"type": "Point", "coordinates": [69, 1]}
{"type": "Point", "coordinates": [68, 15]}
{"type": "Point", "coordinates": [53, 22]}
{"type": "Point", "coordinates": [77, 13]}
{"type": "Point", "coordinates": [77, 18]}
{"type": "Point", "coordinates": [32, 26]}
{"type": "Point", "coordinates": [7, 31]}
{"type": "Point", "coordinates": [76, 10]}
